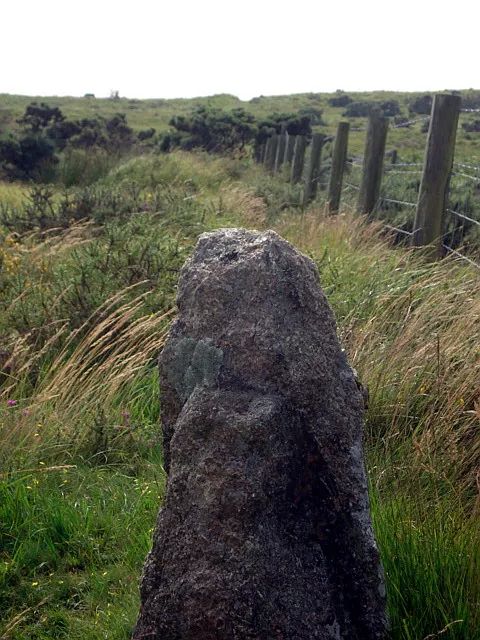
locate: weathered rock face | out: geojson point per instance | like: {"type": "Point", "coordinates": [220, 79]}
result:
{"type": "Point", "coordinates": [265, 533]}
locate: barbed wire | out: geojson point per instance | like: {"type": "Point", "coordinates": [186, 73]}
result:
{"type": "Point", "coordinates": [401, 125]}
{"type": "Point", "coordinates": [460, 255]}
{"type": "Point", "coordinates": [404, 173]}
{"type": "Point", "coordinates": [403, 231]}
{"type": "Point", "coordinates": [407, 164]}
{"type": "Point", "coordinates": [466, 175]}
{"type": "Point", "coordinates": [476, 167]}
{"type": "Point", "coordinates": [462, 215]}
{"type": "Point", "coordinates": [403, 202]}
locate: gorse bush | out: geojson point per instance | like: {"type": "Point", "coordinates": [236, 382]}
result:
{"type": "Point", "coordinates": [212, 129]}
{"type": "Point", "coordinates": [32, 153]}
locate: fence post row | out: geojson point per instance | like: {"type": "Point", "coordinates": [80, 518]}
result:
{"type": "Point", "coordinates": [439, 154]}
{"type": "Point", "coordinates": [339, 159]}
{"type": "Point", "coordinates": [298, 159]}
{"type": "Point", "coordinates": [373, 162]}
{"type": "Point", "coordinates": [313, 169]}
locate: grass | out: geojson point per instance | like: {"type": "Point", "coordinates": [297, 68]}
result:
{"type": "Point", "coordinates": [86, 301]}
{"type": "Point", "coordinates": [72, 540]}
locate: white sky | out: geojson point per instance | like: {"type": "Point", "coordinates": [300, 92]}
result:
{"type": "Point", "coordinates": [186, 48]}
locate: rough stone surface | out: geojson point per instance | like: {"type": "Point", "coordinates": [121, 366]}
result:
{"type": "Point", "coordinates": [265, 532]}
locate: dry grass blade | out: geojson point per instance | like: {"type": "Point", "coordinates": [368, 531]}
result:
{"type": "Point", "coordinates": [108, 356]}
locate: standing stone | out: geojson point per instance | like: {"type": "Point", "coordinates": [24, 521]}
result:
{"type": "Point", "coordinates": [265, 533]}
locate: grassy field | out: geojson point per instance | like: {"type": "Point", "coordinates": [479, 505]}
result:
{"type": "Point", "coordinates": [88, 285]}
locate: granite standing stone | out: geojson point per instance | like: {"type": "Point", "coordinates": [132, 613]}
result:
{"type": "Point", "coordinates": [265, 532]}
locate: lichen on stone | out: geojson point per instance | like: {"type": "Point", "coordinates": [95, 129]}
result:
{"type": "Point", "coordinates": [196, 363]}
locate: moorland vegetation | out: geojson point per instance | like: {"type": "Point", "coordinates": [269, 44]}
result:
{"type": "Point", "coordinates": [89, 260]}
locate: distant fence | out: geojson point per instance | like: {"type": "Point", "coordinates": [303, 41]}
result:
{"type": "Point", "coordinates": [293, 158]}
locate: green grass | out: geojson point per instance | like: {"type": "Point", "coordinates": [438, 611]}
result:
{"type": "Point", "coordinates": [74, 540]}
{"type": "Point", "coordinates": [432, 567]}
{"type": "Point", "coordinates": [86, 300]}
{"type": "Point", "coordinates": [72, 544]}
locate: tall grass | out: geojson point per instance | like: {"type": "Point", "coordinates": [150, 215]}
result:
{"type": "Point", "coordinates": [78, 167]}
{"type": "Point", "coordinates": [79, 402]}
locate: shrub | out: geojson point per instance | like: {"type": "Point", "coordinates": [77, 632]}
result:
{"type": "Point", "coordinates": [362, 109]}
{"type": "Point", "coordinates": [314, 115]}
{"type": "Point", "coordinates": [471, 127]}
{"type": "Point", "coordinates": [212, 129]}
{"type": "Point", "coordinates": [27, 157]}
{"type": "Point", "coordinates": [421, 105]}
{"type": "Point", "coordinates": [340, 99]}
{"type": "Point", "coordinates": [358, 110]}
{"type": "Point", "coordinates": [38, 116]}
{"type": "Point", "coordinates": [146, 134]}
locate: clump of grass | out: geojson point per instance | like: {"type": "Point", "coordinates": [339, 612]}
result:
{"type": "Point", "coordinates": [431, 564]}
{"type": "Point", "coordinates": [411, 329]}
{"type": "Point", "coordinates": [78, 167]}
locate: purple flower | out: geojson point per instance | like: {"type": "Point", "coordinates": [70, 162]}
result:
{"type": "Point", "coordinates": [11, 403]}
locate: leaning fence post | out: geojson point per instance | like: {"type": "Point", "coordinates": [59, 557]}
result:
{"type": "Point", "coordinates": [271, 153]}
{"type": "Point", "coordinates": [437, 167]}
{"type": "Point", "coordinates": [298, 159]}
{"type": "Point", "coordinates": [373, 162]}
{"type": "Point", "coordinates": [339, 158]}
{"type": "Point", "coordinates": [280, 149]}
{"type": "Point", "coordinates": [313, 169]}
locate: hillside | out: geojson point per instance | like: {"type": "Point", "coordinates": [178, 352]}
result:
{"type": "Point", "coordinates": [87, 296]}
{"type": "Point", "coordinates": [143, 114]}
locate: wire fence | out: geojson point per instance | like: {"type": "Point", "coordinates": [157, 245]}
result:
{"type": "Point", "coordinates": [397, 203]}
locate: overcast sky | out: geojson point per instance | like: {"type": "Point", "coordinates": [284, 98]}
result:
{"type": "Point", "coordinates": [186, 48]}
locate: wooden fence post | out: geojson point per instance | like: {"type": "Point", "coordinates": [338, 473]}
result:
{"type": "Point", "coordinates": [373, 162]}
{"type": "Point", "coordinates": [339, 158]}
{"type": "Point", "coordinates": [266, 153]}
{"type": "Point", "coordinates": [313, 169]}
{"type": "Point", "coordinates": [271, 153]}
{"type": "Point", "coordinates": [298, 159]}
{"type": "Point", "coordinates": [257, 152]}
{"type": "Point", "coordinates": [263, 146]}
{"type": "Point", "coordinates": [437, 167]}
{"type": "Point", "coordinates": [289, 147]}
{"type": "Point", "coordinates": [280, 149]}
